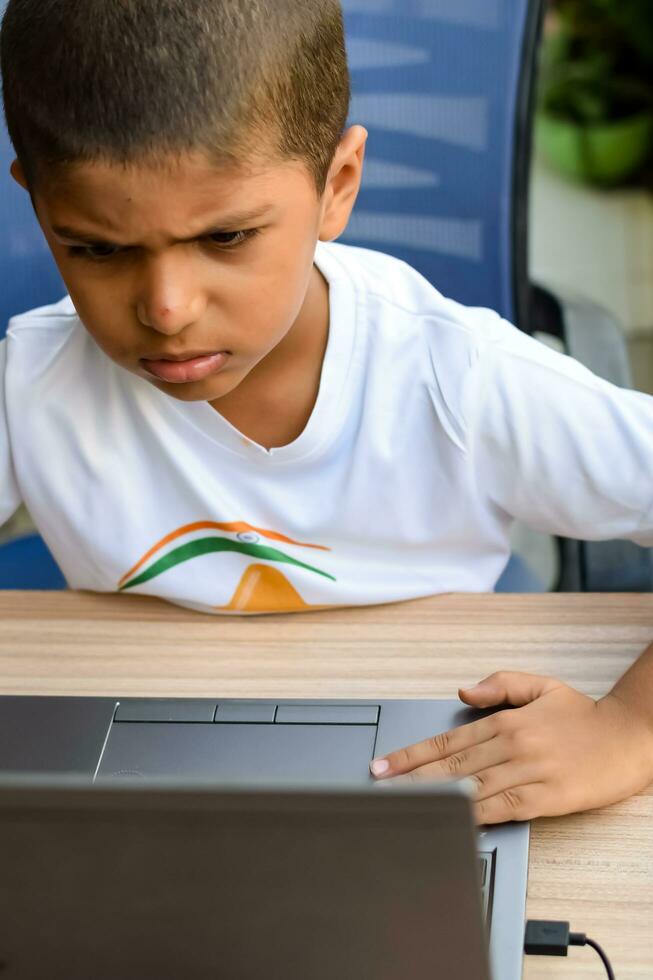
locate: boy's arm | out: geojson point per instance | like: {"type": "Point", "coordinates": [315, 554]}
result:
{"type": "Point", "coordinates": [569, 454]}
{"type": "Point", "coordinates": [558, 448]}
{"type": "Point", "coordinates": [558, 752]}
{"type": "Point", "coordinates": [635, 688]}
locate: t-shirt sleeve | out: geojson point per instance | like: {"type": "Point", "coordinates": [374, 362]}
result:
{"type": "Point", "coordinates": [10, 499]}
{"type": "Point", "coordinates": [557, 447]}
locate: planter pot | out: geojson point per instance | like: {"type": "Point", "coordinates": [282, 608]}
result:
{"type": "Point", "coordinates": [607, 153]}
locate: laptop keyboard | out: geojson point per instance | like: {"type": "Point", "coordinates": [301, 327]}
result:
{"type": "Point", "coordinates": [485, 871]}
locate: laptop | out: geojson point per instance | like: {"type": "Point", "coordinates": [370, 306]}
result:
{"type": "Point", "coordinates": [245, 839]}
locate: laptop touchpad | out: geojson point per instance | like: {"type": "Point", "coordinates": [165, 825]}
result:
{"type": "Point", "coordinates": [240, 752]}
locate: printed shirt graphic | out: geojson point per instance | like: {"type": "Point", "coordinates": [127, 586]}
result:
{"type": "Point", "coordinates": [435, 426]}
{"type": "Point", "coordinates": [262, 588]}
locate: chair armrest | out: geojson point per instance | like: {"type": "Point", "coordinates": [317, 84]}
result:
{"type": "Point", "coordinates": [593, 336]}
{"type": "Point", "coordinates": [590, 333]}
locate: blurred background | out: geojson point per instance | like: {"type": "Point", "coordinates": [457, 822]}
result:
{"type": "Point", "coordinates": [591, 208]}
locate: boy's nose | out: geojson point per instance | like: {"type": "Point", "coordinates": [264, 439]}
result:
{"type": "Point", "coordinates": [169, 306]}
{"type": "Point", "coordinates": [167, 318]}
{"type": "Point", "coordinates": [170, 298]}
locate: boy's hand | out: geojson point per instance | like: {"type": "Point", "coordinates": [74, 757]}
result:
{"type": "Point", "coordinates": [558, 751]}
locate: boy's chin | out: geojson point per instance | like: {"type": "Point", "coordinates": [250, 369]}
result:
{"type": "Point", "coordinates": [208, 390]}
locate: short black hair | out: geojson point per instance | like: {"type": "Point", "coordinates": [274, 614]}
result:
{"type": "Point", "coordinates": [123, 81]}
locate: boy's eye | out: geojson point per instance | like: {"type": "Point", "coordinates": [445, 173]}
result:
{"type": "Point", "coordinates": [93, 251]}
{"type": "Point", "coordinates": [223, 240]}
{"type": "Point", "coordinates": [231, 238]}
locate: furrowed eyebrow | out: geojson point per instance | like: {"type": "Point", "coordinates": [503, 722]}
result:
{"type": "Point", "coordinates": [226, 224]}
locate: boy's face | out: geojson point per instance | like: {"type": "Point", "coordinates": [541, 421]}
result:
{"type": "Point", "coordinates": [157, 267]}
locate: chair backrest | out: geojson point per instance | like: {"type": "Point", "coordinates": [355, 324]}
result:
{"type": "Point", "coordinates": [26, 563]}
{"type": "Point", "coordinates": [444, 88]}
{"type": "Point", "coordinates": [28, 273]}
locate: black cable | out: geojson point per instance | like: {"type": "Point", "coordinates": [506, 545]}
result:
{"type": "Point", "coordinates": [544, 938]}
{"type": "Point", "coordinates": [580, 939]}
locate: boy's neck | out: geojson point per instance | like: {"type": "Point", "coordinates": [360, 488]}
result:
{"type": "Point", "coordinates": [273, 404]}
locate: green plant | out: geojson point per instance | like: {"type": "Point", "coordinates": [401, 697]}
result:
{"type": "Point", "coordinates": [597, 60]}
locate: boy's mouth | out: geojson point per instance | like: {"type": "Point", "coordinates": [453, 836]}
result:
{"type": "Point", "coordinates": [192, 369]}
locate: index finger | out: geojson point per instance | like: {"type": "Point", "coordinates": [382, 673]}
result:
{"type": "Point", "coordinates": [434, 748]}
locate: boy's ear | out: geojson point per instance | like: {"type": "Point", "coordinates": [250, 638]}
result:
{"type": "Point", "coordinates": [17, 173]}
{"type": "Point", "coordinates": [343, 183]}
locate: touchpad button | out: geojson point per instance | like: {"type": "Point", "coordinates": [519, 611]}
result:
{"type": "Point", "coordinates": [243, 754]}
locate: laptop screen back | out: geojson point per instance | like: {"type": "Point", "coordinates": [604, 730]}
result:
{"type": "Point", "coordinates": [112, 882]}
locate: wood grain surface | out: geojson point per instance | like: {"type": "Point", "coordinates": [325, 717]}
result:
{"type": "Point", "coordinates": [594, 869]}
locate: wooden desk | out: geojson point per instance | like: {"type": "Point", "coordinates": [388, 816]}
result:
{"type": "Point", "coordinates": [594, 869]}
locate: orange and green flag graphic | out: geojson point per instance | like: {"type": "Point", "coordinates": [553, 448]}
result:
{"type": "Point", "coordinates": [261, 589]}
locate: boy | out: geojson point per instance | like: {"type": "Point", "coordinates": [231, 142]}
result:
{"type": "Point", "coordinates": [233, 412]}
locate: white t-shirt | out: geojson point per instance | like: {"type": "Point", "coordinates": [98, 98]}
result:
{"type": "Point", "coordinates": [436, 425]}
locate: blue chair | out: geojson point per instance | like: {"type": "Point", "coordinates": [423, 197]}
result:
{"type": "Point", "coordinates": [26, 563]}
{"type": "Point", "coordinates": [445, 89]}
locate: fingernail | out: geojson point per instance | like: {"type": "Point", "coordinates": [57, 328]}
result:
{"type": "Point", "coordinates": [379, 766]}
{"type": "Point", "coordinates": [474, 687]}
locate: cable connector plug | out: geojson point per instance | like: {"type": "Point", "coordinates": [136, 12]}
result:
{"type": "Point", "coordinates": [546, 938]}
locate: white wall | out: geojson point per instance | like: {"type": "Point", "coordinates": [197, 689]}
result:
{"type": "Point", "coordinates": [600, 244]}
